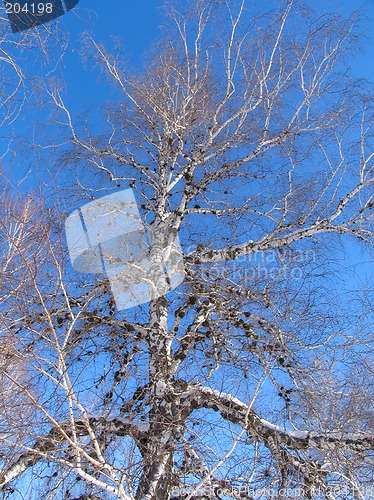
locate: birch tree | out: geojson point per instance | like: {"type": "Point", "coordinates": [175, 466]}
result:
{"type": "Point", "coordinates": [246, 136]}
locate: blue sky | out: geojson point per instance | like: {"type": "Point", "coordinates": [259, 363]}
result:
{"type": "Point", "coordinates": [137, 24]}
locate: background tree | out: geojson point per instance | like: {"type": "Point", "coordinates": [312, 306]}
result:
{"type": "Point", "coordinates": [247, 137]}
